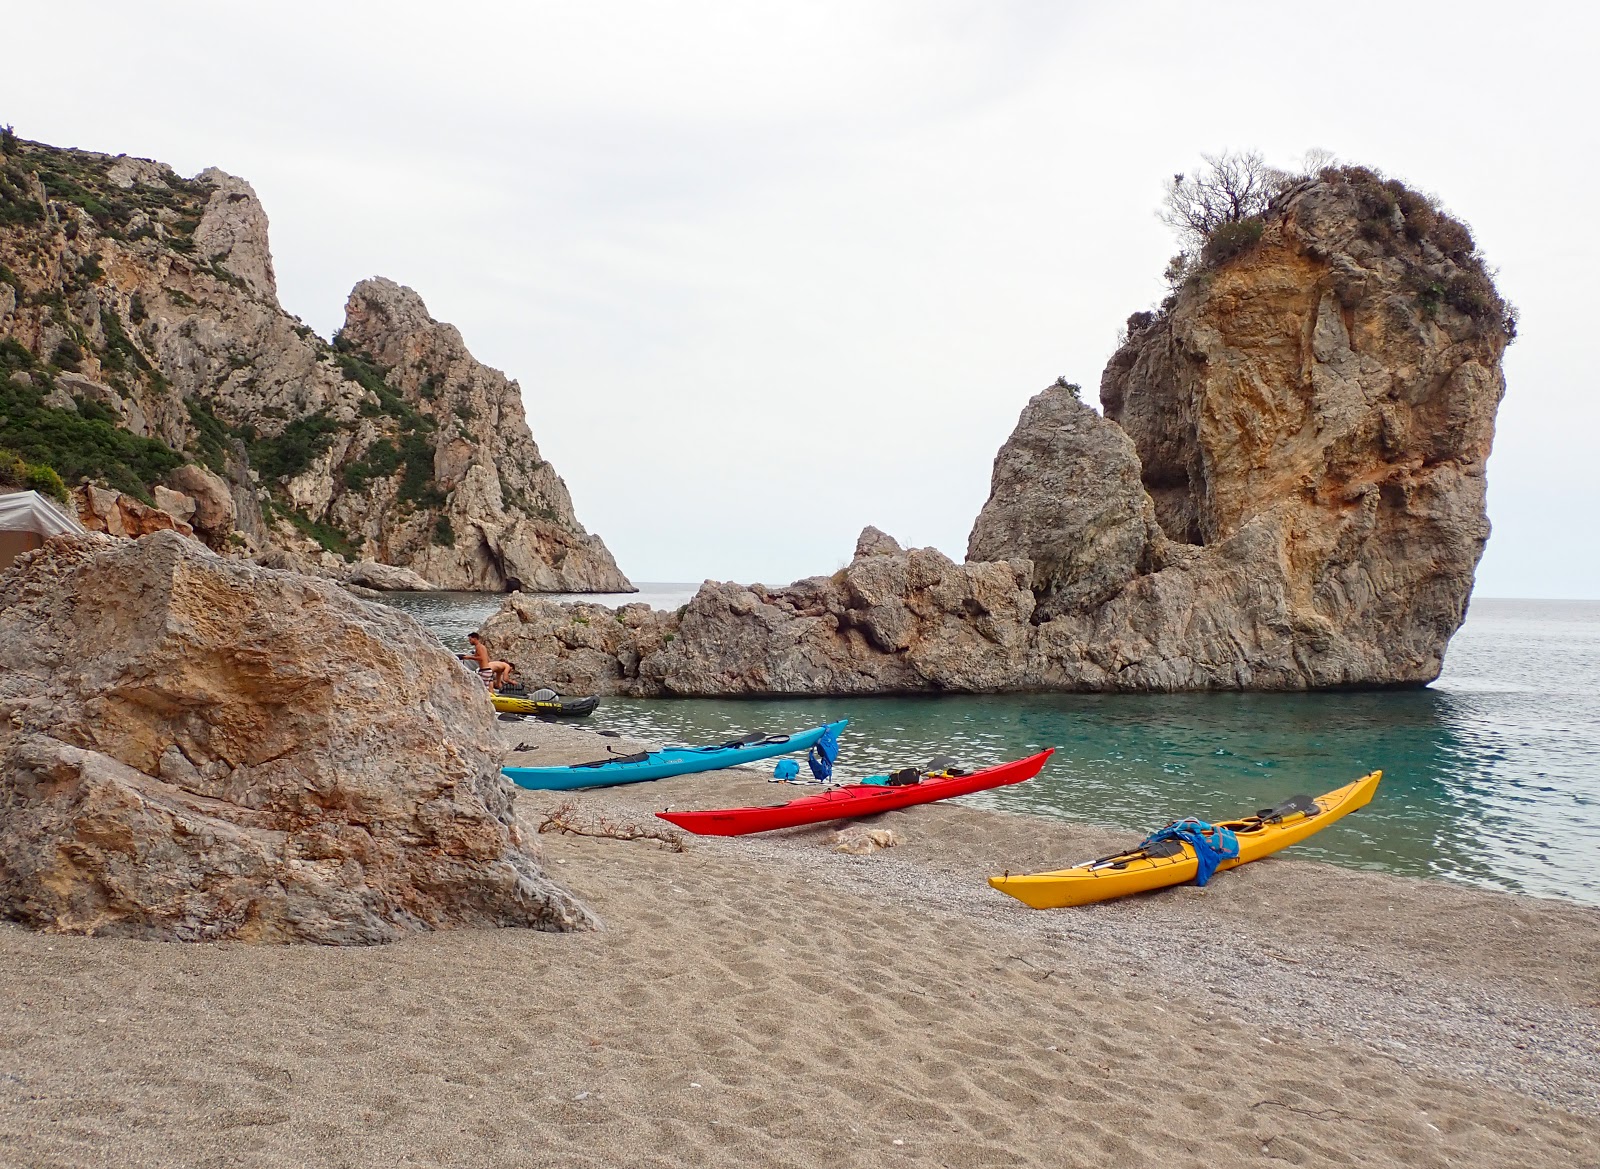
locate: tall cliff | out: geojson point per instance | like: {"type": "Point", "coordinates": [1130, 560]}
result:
{"type": "Point", "coordinates": [1309, 416]}
{"type": "Point", "coordinates": [1286, 491]}
{"type": "Point", "coordinates": [142, 346]}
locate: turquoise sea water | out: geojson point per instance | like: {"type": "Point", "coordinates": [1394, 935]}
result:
{"type": "Point", "coordinates": [1491, 775]}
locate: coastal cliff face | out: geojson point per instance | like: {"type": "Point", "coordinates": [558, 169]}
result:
{"type": "Point", "coordinates": [193, 747]}
{"type": "Point", "coordinates": [1286, 491]}
{"type": "Point", "coordinates": [142, 346]}
{"type": "Point", "coordinates": [1311, 417]}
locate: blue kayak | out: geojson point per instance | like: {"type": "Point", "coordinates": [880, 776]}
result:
{"type": "Point", "coordinates": [668, 761]}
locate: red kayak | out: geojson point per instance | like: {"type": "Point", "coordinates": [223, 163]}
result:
{"type": "Point", "coordinates": [858, 799]}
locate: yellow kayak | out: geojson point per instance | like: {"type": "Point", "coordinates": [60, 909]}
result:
{"type": "Point", "coordinates": [543, 703]}
{"type": "Point", "coordinates": [1137, 871]}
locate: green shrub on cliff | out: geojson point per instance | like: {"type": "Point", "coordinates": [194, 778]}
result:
{"type": "Point", "coordinates": [1222, 211]}
{"type": "Point", "coordinates": [67, 444]}
{"type": "Point", "coordinates": [15, 471]}
{"type": "Point", "coordinates": [1232, 239]}
{"type": "Point", "coordinates": [45, 481]}
{"type": "Point", "coordinates": [1413, 225]}
{"type": "Point", "coordinates": [120, 351]}
{"type": "Point", "coordinates": [17, 204]}
{"type": "Point", "coordinates": [212, 437]}
{"type": "Point", "coordinates": [413, 428]}
{"type": "Point", "coordinates": [327, 535]}
{"type": "Point", "coordinates": [66, 355]}
{"type": "Point", "coordinates": [291, 452]}
{"type": "Point", "coordinates": [381, 460]}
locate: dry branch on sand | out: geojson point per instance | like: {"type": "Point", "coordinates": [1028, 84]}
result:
{"type": "Point", "coordinates": [566, 819]}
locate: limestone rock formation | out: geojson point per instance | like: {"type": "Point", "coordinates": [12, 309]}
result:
{"type": "Point", "coordinates": [100, 509]}
{"type": "Point", "coordinates": [511, 520]}
{"type": "Point", "coordinates": [193, 747]}
{"type": "Point", "coordinates": [384, 578]}
{"type": "Point", "coordinates": [889, 622]}
{"type": "Point", "coordinates": [1286, 491]}
{"type": "Point", "coordinates": [1066, 495]}
{"type": "Point", "coordinates": [133, 297]}
{"type": "Point", "coordinates": [1312, 416]}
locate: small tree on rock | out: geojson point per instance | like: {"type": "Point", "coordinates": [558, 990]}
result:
{"type": "Point", "coordinates": [1231, 188]}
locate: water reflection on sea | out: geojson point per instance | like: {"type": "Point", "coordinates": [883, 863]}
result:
{"type": "Point", "coordinates": [1491, 776]}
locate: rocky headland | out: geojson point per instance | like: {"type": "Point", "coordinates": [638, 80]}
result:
{"type": "Point", "coordinates": [1285, 491]}
{"type": "Point", "coordinates": [147, 367]}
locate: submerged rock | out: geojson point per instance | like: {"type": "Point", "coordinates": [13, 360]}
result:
{"type": "Point", "coordinates": [196, 748]}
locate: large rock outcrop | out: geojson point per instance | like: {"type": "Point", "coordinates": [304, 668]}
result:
{"type": "Point", "coordinates": [1066, 495]}
{"type": "Point", "coordinates": [892, 621]}
{"type": "Point", "coordinates": [1311, 418]}
{"type": "Point", "coordinates": [509, 515]}
{"type": "Point", "coordinates": [135, 298]}
{"type": "Point", "coordinates": [1286, 491]}
{"type": "Point", "coordinates": [194, 747]}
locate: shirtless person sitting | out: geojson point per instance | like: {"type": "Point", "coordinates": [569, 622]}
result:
{"type": "Point", "coordinates": [480, 654]}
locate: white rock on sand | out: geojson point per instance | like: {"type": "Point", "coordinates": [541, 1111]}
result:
{"type": "Point", "coordinates": [766, 1001]}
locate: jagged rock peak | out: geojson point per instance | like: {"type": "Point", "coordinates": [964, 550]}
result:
{"type": "Point", "coordinates": [233, 232]}
{"type": "Point", "coordinates": [874, 542]}
{"type": "Point", "coordinates": [1361, 329]}
{"type": "Point", "coordinates": [510, 516]}
{"type": "Point", "coordinates": [1065, 494]}
{"type": "Point", "coordinates": [1312, 412]}
{"type": "Point", "coordinates": [132, 296]}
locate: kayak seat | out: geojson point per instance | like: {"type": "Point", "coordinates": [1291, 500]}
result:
{"type": "Point", "coordinates": [1301, 805]}
{"type": "Point", "coordinates": [641, 757]}
{"type": "Point", "coordinates": [944, 766]}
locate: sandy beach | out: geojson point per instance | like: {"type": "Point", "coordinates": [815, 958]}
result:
{"type": "Point", "coordinates": [769, 1001]}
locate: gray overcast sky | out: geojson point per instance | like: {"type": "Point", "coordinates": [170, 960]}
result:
{"type": "Point", "coordinates": [768, 272]}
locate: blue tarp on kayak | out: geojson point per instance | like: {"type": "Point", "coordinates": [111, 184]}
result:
{"type": "Point", "coordinates": [1212, 845]}
{"type": "Point", "coordinates": [820, 758]}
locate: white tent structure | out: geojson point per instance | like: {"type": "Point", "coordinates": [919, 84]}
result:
{"type": "Point", "coordinates": [26, 518]}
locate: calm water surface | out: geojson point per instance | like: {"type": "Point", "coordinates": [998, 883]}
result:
{"type": "Point", "coordinates": [1491, 775]}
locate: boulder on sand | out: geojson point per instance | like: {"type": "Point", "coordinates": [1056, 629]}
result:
{"type": "Point", "coordinates": [198, 748]}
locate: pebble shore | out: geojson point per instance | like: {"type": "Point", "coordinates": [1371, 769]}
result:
{"type": "Point", "coordinates": [769, 1001]}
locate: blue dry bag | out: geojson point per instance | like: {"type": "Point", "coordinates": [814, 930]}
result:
{"type": "Point", "coordinates": [820, 758]}
{"type": "Point", "coordinates": [1211, 844]}
{"type": "Point", "coordinates": [786, 769]}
